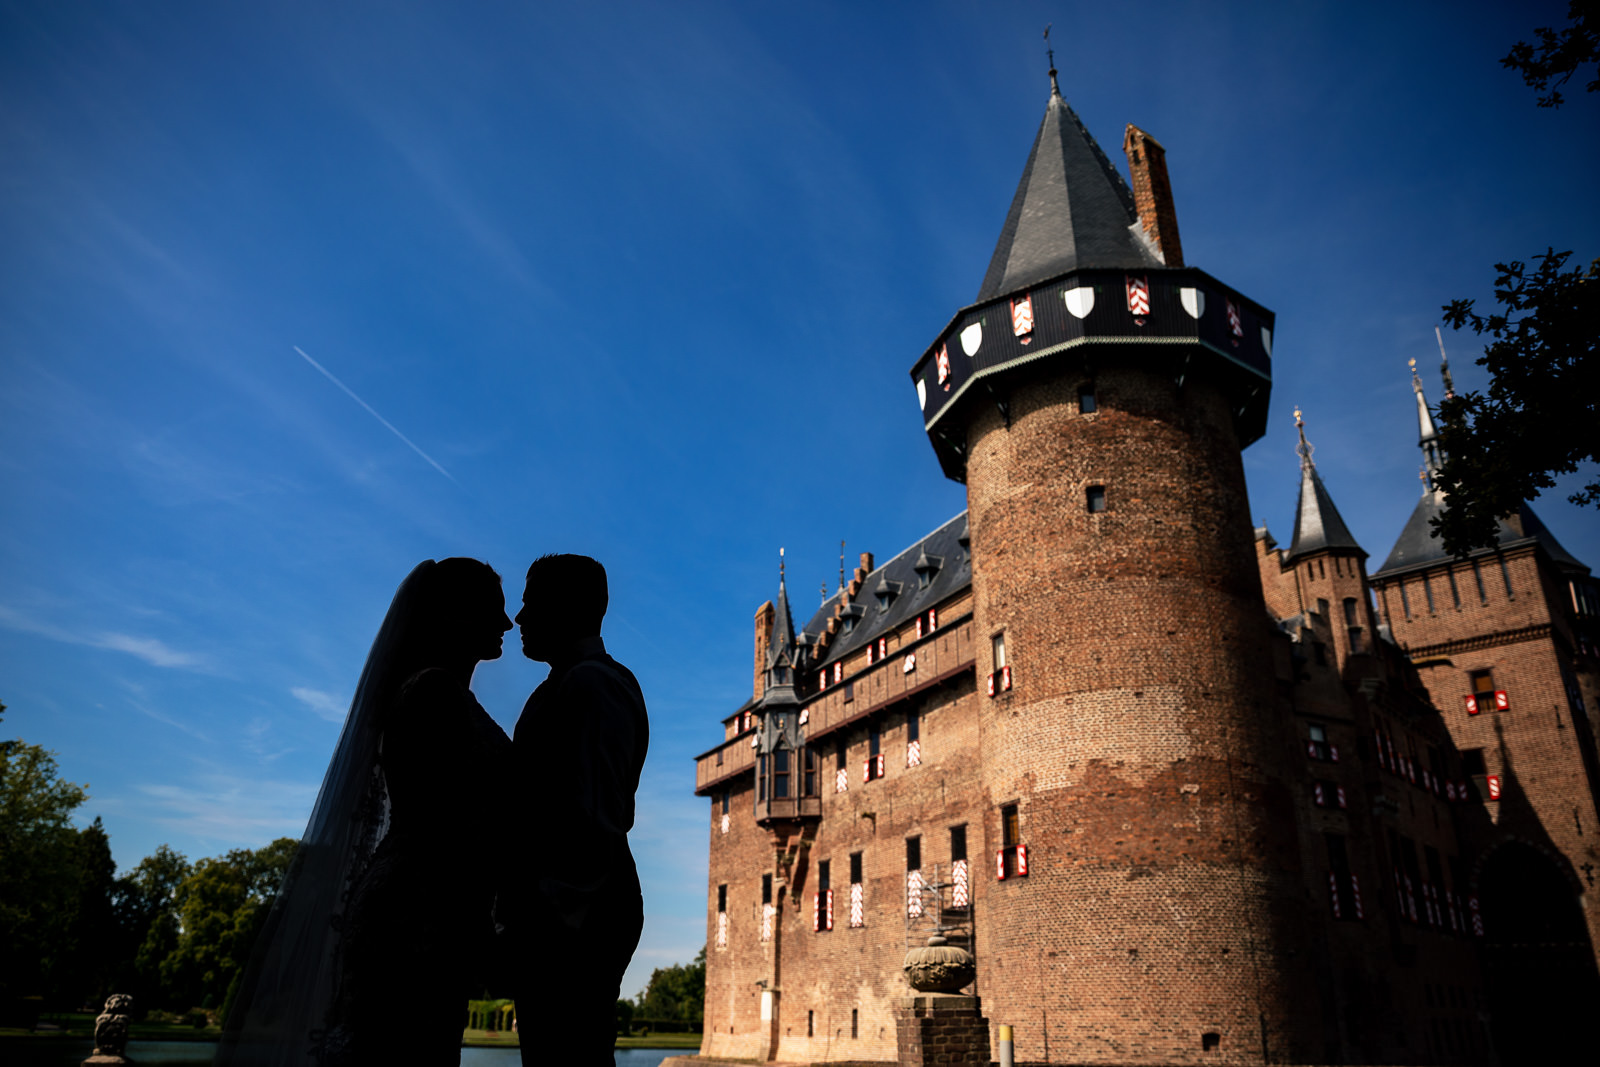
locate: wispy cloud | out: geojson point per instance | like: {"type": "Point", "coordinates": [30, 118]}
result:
{"type": "Point", "coordinates": [152, 651]}
{"type": "Point", "coordinates": [326, 705]}
{"type": "Point", "coordinates": [227, 808]}
{"type": "Point", "coordinates": [351, 394]}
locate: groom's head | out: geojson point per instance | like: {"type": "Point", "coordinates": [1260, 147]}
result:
{"type": "Point", "coordinates": [564, 601]}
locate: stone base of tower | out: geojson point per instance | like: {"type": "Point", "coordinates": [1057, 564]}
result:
{"type": "Point", "coordinates": [942, 1028]}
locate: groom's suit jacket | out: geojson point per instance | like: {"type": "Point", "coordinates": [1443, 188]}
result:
{"type": "Point", "coordinates": [578, 750]}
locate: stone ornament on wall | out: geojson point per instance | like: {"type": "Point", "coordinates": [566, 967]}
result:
{"type": "Point", "coordinates": [939, 967]}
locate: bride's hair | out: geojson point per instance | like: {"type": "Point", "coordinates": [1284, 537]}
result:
{"type": "Point", "coordinates": [277, 1016]}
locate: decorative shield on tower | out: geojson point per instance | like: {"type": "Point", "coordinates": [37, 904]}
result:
{"type": "Point", "coordinates": [1138, 297]}
{"type": "Point", "coordinates": [1193, 301]}
{"type": "Point", "coordinates": [1266, 340]}
{"type": "Point", "coordinates": [971, 338]}
{"type": "Point", "coordinates": [943, 362]}
{"type": "Point", "coordinates": [1234, 323]}
{"type": "Point", "coordinates": [1022, 317]}
{"type": "Point", "coordinates": [922, 393]}
{"type": "Point", "coordinates": [1080, 301]}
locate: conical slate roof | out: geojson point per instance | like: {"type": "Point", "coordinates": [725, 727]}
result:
{"type": "Point", "coordinates": [1072, 210]}
{"type": "Point", "coordinates": [1317, 523]}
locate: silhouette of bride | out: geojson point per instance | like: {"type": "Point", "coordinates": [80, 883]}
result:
{"type": "Point", "coordinates": [385, 912]}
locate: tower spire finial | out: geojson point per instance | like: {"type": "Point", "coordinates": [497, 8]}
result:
{"type": "Point", "coordinates": [1444, 367]}
{"type": "Point", "coordinates": [780, 564]}
{"type": "Point", "coordinates": [1303, 449]}
{"type": "Point", "coordinates": [1427, 434]}
{"type": "Point", "coordinates": [1055, 90]}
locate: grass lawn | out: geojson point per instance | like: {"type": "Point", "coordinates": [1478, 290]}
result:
{"type": "Point", "coordinates": [506, 1039]}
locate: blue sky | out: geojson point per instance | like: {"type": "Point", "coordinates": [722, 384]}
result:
{"type": "Point", "coordinates": [641, 281]}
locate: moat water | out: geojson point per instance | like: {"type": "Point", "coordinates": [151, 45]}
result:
{"type": "Point", "coordinates": [69, 1053]}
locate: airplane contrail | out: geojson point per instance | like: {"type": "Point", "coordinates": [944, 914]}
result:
{"type": "Point", "coordinates": [326, 374]}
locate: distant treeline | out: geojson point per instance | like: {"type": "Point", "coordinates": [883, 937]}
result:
{"type": "Point", "coordinates": [174, 934]}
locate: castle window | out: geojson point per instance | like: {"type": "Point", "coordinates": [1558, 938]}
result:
{"type": "Point", "coordinates": [761, 779]}
{"type": "Point", "coordinates": [722, 916]}
{"type": "Point", "coordinates": [913, 877]}
{"type": "Point", "coordinates": [858, 908]}
{"type": "Point", "coordinates": [997, 646]}
{"type": "Point", "coordinates": [849, 691]}
{"type": "Point", "coordinates": [780, 774]}
{"type": "Point", "coordinates": [960, 892]}
{"type": "Point", "coordinates": [1086, 404]}
{"type": "Point", "coordinates": [1096, 498]}
{"type": "Point", "coordinates": [1322, 606]}
{"type": "Point", "coordinates": [1322, 569]}
{"type": "Point", "coordinates": [841, 776]}
{"type": "Point", "coordinates": [726, 794]}
{"type": "Point", "coordinates": [1317, 747]}
{"type": "Point", "coordinates": [874, 765]}
{"type": "Point", "coordinates": [1477, 576]}
{"type": "Point", "coordinates": [1013, 858]}
{"type": "Point", "coordinates": [811, 1023]}
{"type": "Point", "coordinates": [913, 739]}
{"type": "Point", "coordinates": [809, 762]}
{"type": "Point", "coordinates": [914, 853]}
{"type": "Point", "coordinates": [1344, 891]}
{"type": "Point", "coordinates": [719, 757]}
{"type": "Point", "coordinates": [1352, 618]}
{"type": "Point", "coordinates": [855, 1022]}
{"type": "Point", "coordinates": [822, 905]}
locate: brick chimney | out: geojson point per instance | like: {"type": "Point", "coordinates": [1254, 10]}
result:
{"type": "Point", "coordinates": [766, 617]}
{"type": "Point", "coordinates": [1152, 193]}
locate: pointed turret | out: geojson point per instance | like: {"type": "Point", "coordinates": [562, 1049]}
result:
{"type": "Point", "coordinates": [1318, 526]}
{"type": "Point", "coordinates": [782, 657]}
{"type": "Point", "coordinates": [1427, 433]}
{"type": "Point", "coordinates": [1072, 210]}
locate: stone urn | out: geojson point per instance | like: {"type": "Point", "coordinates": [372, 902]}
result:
{"type": "Point", "coordinates": [939, 967]}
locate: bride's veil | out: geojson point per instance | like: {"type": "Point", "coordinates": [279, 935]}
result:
{"type": "Point", "coordinates": [279, 1014]}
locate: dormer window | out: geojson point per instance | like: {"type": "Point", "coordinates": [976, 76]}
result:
{"type": "Point", "coordinates": [847, 623]}
{"type": "Point", "coordinates": [926, 567]}
{"type": "Point", "coordinates": [965, 541]}
{"type": "Point", "coordinates": [885, 591]}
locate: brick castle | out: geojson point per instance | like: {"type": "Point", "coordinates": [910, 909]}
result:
{"type": "Point", "coordinates": [1188, 796]}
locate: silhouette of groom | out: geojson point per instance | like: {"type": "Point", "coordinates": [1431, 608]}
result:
{"type": "Point", "coordinates": [571, 904]}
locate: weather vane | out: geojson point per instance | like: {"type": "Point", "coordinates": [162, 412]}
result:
{"type": "Point", "coordinates": [1050, 51]}
{"type": "Point", "coordinates": [1304, 448]}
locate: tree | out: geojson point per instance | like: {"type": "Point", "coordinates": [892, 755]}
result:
{"type": "Point", "coordinates": [677, 992]}
{"type": "Point", "coordinates": [40, 865]}
{"type": "Point", "coordinates": [145, 911]}
{"type": "Point", "coordinates": [1560, 53]}
{"type": "Point", "coordinates": [1538, 416]}
{"type": "Point", "coordinates": [221, 905]}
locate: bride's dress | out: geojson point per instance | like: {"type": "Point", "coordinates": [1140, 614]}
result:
{"type": "Point", "coordinates": [385, 912]}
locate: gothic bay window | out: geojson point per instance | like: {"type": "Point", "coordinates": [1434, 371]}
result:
{"type": "Point", "coordinates": [913, 738]}
{"type": "Point", "coordinates": [780, 774]}
{"type": "Point", "coordinates": [913, 877]}
{"type": "Point", "coordinates": [768, 911]}
{"type": "Point", "coordinates": [822, 904]}
{"type": "Point", "coordinates": [858, 902]}
{"type": "Point", "coordinates": [722, 916]}
{"type": "Point", "coordinates": [960, 892]}
{"type": "Point", "coordinates": [1012, 859]}
{"type": "Point", "coordinates": [761, 779]}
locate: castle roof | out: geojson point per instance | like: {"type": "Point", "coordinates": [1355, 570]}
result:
{"type": "Point", "coordinates": [1317, 523]}
{"type": "Point", "coordinates": [1318, 526]}
{"type": "Point", "coordinates": [1072, 209]}
{"type": "Point", "coordinates": [1418, 548]}
{"type": "Point", "coordinates": [945, 549]}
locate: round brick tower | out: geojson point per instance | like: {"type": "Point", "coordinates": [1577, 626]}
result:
{"type": "Point", "coordinates": [1144, 903]}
